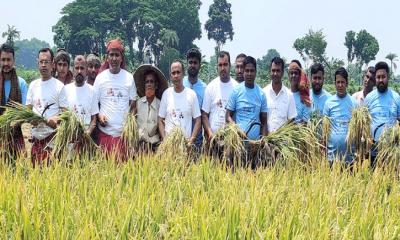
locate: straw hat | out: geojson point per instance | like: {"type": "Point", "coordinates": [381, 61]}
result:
{"type": "Point", "coordinates": [138, 75]}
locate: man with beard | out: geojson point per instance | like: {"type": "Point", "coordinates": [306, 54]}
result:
{"type": "Point", "coordinates": [303, 109]}
{"type": "Point", "coordinates": [318, 94]}
{"type": "Point", "coordinates": [81, 97]}
{"type": "Point", "coordinates": [383, 104]}
{"type": "Point", "coordinates": [368, 85]}
{"type": "Point", "coordinates": [216, 97]}
{"type": "Point", "coordinates": [93, 67]}
{"type": "Point", "coordinates": [239, 69]}
{"type": "Point", "coordinates": [280, 100]}
{"type": "Point", "coordinates": [12, 88]}
{"type": "Point", "coordinates": [192, 81]}
{"type": "Point", "coordinates": [62, 62]}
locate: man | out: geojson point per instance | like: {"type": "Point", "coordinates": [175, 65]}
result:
{"type": "Point", "coordinates": [239, 67]}
{"type": "Point", "coordinates": [248, 103]}
{"type": "Point", "coordinates": [192, 81]}
{"type": "Point", "coordinates": [116, 94]}
{"type": "Point", "coordinates": [318, 94]}
{"type": "Point", "coordinates": [338, 109]}
{"type": "Point", "coordinates": [12, 88]}
{"type": "Point", "coordinates": [280, 100]}
{"type": "Point", "coordinates": [368, 85]}
{"type": "Point", "coordinates": [46, 96]}
{"type": "Point", "coordinates": [93, 68]}
{"type": "Point", "coordinates": [179, 107]}
{"type": "Point", "coordinates": [302, 108]}
{"type": "Point", "coordinates": [383, 104]}
{"type": "Point", "coordinates": [62, 63]}
{"type": "Point", "coordinates": [81, 97]}
{"type": "Point", "coordinates": [216, 97]}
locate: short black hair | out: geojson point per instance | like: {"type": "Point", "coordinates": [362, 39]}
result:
{"type": "Point", "coordinates": [178, 61]}
{"type": "Point", "coordinates": [250, 60]}
{"type": "Point", "coordinates": [316, 67]}
{"type": "Point", "coordinates": [43, 50]}
{"type": "Point", "coordinates": [222, 54]}
{"type": "Point", "coordinates": [382, 65]}
{"type": "Point", "coordinates": [62, 55]}
{"type": "Point", "coordinates": [342, 72]}
{"type": "Point", "coordinates": [298, 63]}
{"type": "Point", "coordinates": [193, 53]}
{"type": "Point", "coordinates": [5, 47]}
{"type": "Point", "coordinates": [278, 61]}
{"type": "Point", "coordinates": [242, 55]}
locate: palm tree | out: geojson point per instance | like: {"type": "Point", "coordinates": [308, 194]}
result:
{"type": "Point", "coordinates": [392, 57]}
{"type": "Point", "coordinates": [11, 34]}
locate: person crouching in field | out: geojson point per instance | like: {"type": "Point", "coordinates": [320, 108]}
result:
{"type": "Point", "coordinates": [46, 96]}
{"type": "Point", "coordinates": [151, 84]}
{"type": "Point", "coordinates": [12, 89]}
{"type": "Point", "coordinates": [116, 94]}
{"type": "Point", "coordinates": [338, 108]}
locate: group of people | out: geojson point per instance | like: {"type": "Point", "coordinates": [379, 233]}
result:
{"type": "Point", "coordinates": [103, 94]}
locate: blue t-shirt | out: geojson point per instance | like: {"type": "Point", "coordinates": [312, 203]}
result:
{"type": "Point", "coordinates": [22, 86]}
{"type": "Point", "coordinates": [384, 109]}
{"type": "Point", "coordinates": [247, 104]}
{"type": "Point", "coordinates": [339, 111]}
{"type": "Point", "coordinates": [303, 112]}
{"type": "Point", "coordinates": [318, 102]}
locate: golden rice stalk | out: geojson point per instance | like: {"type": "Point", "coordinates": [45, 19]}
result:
{"type": "Point", "coordinates": [130, 135]}
{"type": "Point", "coordinates": [326, 129]}
{"type": "Point", "coordinates": [175, 144]}
{"type": "Point", "coordinates": [359, 133]}
{"type": "Point", "coordinates": [389, 148]}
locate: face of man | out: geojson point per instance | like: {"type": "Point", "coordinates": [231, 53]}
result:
{"type": "Point", "coordinates": [93, 69]}
{"type": "Point", "coordinates": [223, 68]}
{"type": "Point", "coordinates": [317, 82]}
{"type": "Point", "coordinates": [276, 73]}
{"type": "Point", "coordinates": [294, 77]}
{"type": "Point", "coordinates": [80, 72]}
{"type": "Point", "coordinates": [239, 69]}
{"type": "Point", "coordinates": [114, 59]}
{"type": "Point", "coordinates": [193, 67]}
{"type": "Point", "coordinates": [249, 74]}
{"type": "Point", "coordinates": [381, 80]}
{"type": "Point", "coordinates": [150, 85]}
{"type": "Point", "coordinates": [6, 61]}
{"type": "Point", "coordinates": [45, 64]}
{"type": "Point", "coordinates": [176, 74]}
{"type": "Point", "coordinates": [341, 85]}
{"type": "Point", "coordinates": [368, 81]}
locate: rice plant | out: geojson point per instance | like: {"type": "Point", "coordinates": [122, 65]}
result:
{"type": "Point", "coordinates": [130, 136]}
{"type": "Point", "coordinates": [359, 135]}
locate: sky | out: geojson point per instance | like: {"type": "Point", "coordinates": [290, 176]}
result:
{"type": "Point", "coordinates": [258, 24]}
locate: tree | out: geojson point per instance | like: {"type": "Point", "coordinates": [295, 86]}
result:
{"type": "Point", "coordinates": [392, 57]}
{"type": "Point", "coordinates": [263, 66]}
{"type": "Point", "coordinates": [362, 47]}
{"type": "Point", "coordinates": [11, 35]}
{"type": "Point", "coordinates": [26, 53]}
{"type": "Point", "coordinates": [312, 45]}
{"type": "Point", "coordinates": [349, 43]}
{"type": "Point", "coordinates": [219, 25]}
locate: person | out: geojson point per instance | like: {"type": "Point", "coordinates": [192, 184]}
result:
{"type": "Point", "coordinates": [151, 84]}
{"type": "Point", "coordinates": [383, 104]}
{"type": "Point", "coordinates": [239, 67]}
{"type": "Point", "coordinates": [192, 81]}
{"type": "Point", "coordinates": [46, 97]}
{"type": "Point", "coordinates": [216, 96]}
{"type": "Point", "coordinates": [303, 106]}
{"type": "Point", "coordinates": [62, 62]}
{"type": "Point", "coordinates": [338, 108]}
{"type": "Point", "coordinates": [116, 94]}
{"type": "Point", "coordinates": [12, 89]}
{"type": "Point", "coordinates": [318, 94]}
{"type": "Point", "coordinates": [93, 68]}
{"type": "Point", "coordinates": [248, 103]}
{"type": "Point", "coordinates": [280, 100]}
{"type": "Point", "coordinates": [81, 97]}
{"type": "Point", "coordinates": [368, 85]}
{"type": "Point", "coordinates": [179, 107]}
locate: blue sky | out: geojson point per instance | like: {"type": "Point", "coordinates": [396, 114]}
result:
{"type": "Point", "coordinates": [258, 24]}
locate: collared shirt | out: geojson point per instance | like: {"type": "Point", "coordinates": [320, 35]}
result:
{"type": "Point", "coordinates": [359, 97]}
{"type": "Point", "coordinates": [147, 120]}
{"type": "Point", "coordinates": [281, 107]}
{"type": "Point", "coordinates": [318, 101]}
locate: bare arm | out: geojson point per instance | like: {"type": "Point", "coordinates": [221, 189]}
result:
{"type": "Point", "coordinates": [229, 116]}
{"type": "Point", "coordinates": [161, 127]}
{"type": "Point", "coordinates": [132, 107]}
{"type": "Point", "coordinates": [206, 124]}
{"type": "Point", "coordinates": [196, 129]}
{"type": "Point", "coordinates": [264, 125]}
{"type": "Point", "coordinates": [92, 125]}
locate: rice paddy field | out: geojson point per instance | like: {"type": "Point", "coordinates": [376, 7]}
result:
{"type": "Point", "coordinates": [162, 197]}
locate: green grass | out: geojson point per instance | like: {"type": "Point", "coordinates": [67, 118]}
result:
{"type": "Point", "coordinates": [155, 198]}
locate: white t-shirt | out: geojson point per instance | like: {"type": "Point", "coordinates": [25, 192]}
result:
{"type": "Point", "coordinates": [41, 94]}
{"type": "Point", "coordinates": [281, 107]}
{"type": "Point", "coordinates": [215, 99]}
{"type": "Point", "coordinates": [82, 101]}
{"type": "Point", "coordinates": [179, 109]}
{"type": "Point", "coordinates": [114, 91]}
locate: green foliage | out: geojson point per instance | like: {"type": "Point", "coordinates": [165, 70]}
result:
{"type": "Point", "coordinates": [208, 70]}
{"type": "Point", "coordinates": [168, 55]}
{"type": "Point", "coordinates": [263, 67]}
{"type": "Point", "coordinates": [312, 45]}
{"type": "Point", "coordinates": [361, 46]}
{"type": "Point", "coordinates": [28, 74]}
{"type": "Point", "coordinates": [331, 65]}
{"type": "Point", "coordinates": [11, 34]}
{"type": "Point", "coordinates": [27, 52]}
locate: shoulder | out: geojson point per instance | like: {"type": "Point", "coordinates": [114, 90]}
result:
{"type": "Point", "coordinates": [22, 81]}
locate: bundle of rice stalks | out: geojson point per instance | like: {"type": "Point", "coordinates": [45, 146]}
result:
{"type": "Point", "coordinates": [359, 138]}
{"type": "Point", "coordinates": [389, 148]}
{"type": "Point", "coordinates": [175, 145]}
{"type": "Point", "coordinates": [227, 142]}
{"type": "Point", "coordinates": [71, 138]}
{"type": "Point", "coordinates": [326, 128]}
{"type": "Point", "coordinates": [130, 135]}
